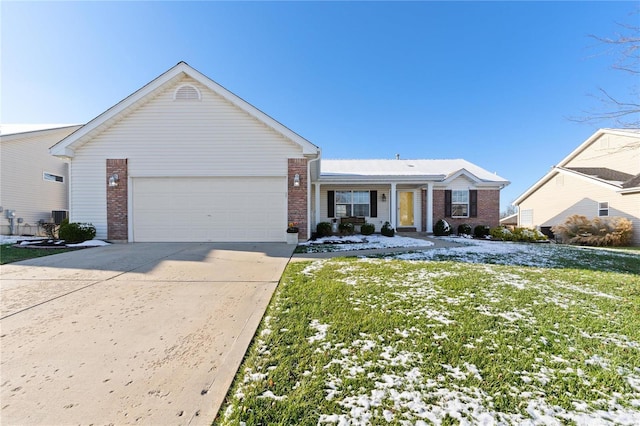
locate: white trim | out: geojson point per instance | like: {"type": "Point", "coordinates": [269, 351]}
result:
{"type": "Point", "coordinates": [67, 146]}
{"type": "Point", "coordinates": [608, 209]}
{"type": "Point", "coordinates": [429, 208]}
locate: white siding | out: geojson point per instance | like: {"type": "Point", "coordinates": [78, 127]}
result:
{"type": "Point", "coordinates": [552, 203]}
{"type": "Point", "coordinates": [171, 138]}
{"type": "Point", "coordinates": [24, 158]}
{"type": "Point", "coordinates": [621, 153]}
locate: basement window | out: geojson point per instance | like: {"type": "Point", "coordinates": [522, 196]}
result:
{"type": "Point", "coordinates": [186, 92]}
{"type": "Point", "coordinates": [52, 178]}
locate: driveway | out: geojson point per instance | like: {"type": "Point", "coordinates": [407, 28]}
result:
{"type": "Point", "coordinates": [131, 333]}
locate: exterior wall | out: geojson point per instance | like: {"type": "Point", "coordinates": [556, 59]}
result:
{"type": "Point", "coordinates": [383, 207]}
{"type": "Point", "coordinates": [488, 209]}
{"type": "Point", "coordinates": [117, 202]}
{"type": "Point", "coordinates": [167, 137]}
{"type": "Point", "coordinates": [23, 160]}
{"type": "Point", "coordinates": [297, 196]}
{"type": "Point", "coordinates": [615, 152]}
{"type": "Point", "coordinates": [565, 195]}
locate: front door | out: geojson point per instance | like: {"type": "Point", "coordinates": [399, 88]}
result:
{"type": "Point", "coordinates": [405, 203]}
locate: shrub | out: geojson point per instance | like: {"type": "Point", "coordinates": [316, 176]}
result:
{"type": "Point", "coordinates": [481, 231]}
{"type": "Point", "coordinates": [387, 230]}
{"type": "Point", "coordinates": [611, 231]}
{"type": "Point", "coordinates": [76, 232]}
{"type": "Point", "coordinates": [367, 229]}
{"type": "Point", "coordinates": [464, 229]}
{"type": "Point", "coordinates": [500, 233]}
{"type": "Point", "coordinates": [442, 228]}
{"type": "Point", "coordinates": [323, 229]}
{"type": "Point", "coordinates": [346, 228]}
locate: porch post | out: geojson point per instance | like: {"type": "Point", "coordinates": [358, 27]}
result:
{"type": "Point", "coordinates": [430, 207]}
{"type": "Point", "coordinates": [316, 219]}
{"type": "Point", "coordinates": [392, 205]}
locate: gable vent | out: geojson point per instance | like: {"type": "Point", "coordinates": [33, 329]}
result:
{"type": "Point", "coordinates": [186, 92]}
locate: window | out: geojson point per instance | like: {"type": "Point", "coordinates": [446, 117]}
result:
{"type": "Point", "coordinates": [459, 203]}
{"type": "Point", "coordinates": [603, 208]}
{"type": "Point", "coordinates": [526, 217]}
{"type": "Point", "coordinates": [52, 178]}
{"type": "Point", "coordinates": [352, 203]}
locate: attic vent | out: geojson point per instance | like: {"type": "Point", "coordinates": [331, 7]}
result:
{"type": "Point", "coordinates": [186, 92]}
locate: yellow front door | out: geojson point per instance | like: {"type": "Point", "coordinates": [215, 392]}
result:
{"type": "Point", "coordinates": [406, 208]}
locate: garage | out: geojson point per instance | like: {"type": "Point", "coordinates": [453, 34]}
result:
{"type": "Point", "coordinates": [203, 209]}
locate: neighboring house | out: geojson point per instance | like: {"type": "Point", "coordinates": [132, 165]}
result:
{"type": "Point", "coordinates": [183, 159]}
{"type": "Point", "coordinates": [601, 178]}
{"type": "Point", "coordinates": [32, 182]}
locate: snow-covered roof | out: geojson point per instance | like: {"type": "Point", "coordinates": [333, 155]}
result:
{"type": "Point", "coordinates": [12, 129]}
{"type": "Point", "coordinates": [433, 170]}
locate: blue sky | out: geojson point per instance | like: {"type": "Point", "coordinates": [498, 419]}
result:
{"type": "Point", "coordinates": [491, 82]}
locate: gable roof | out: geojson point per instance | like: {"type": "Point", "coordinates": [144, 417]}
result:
{"type": "Point", "coordinates": [68, 145]}
{"type": "Point", "coordinates": [406, 170]}
{"type": "Point", "coordinates": [616, 180]}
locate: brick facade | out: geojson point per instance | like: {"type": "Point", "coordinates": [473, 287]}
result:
{"type": "Point", "coordinates": [488, 210]}
{"type": "Point", "coordinates": [117, 201]}
{"type": "Point", "coordinates": [297, 196]}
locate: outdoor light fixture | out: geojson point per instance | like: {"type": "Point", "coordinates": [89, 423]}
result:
{"type": "Point", "coordinates": [114, 179]}
{"type": "Point", "coordinates": [384, 198]}
{"type": "Point", "coordinates": [296, 180]}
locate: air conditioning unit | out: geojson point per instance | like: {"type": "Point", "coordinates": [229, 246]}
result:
{"type": "Point", "coordinates": [59, 216]}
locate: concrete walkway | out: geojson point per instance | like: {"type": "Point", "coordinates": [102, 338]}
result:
{"type": "Point", "coordinates": [130, 334]}
{"type": "Point", "coordinates": [436, 243]}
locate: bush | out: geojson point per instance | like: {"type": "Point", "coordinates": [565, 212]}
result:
{"type": "Point", "coordinates": [518, 234]}
{"type": "Point", "coordinates": [442, 228]}
{"type": "Point", "coordinates": [500, 233]}
{"type": "Point", "coordinates": [323, 229]}
{"type": "Point", "coordinates": [367, 229]}
{"type": "Point", "coordinates": [387, 230]}
{"type": "Point", "coordinates": [346, 228]}
{"type": "Point", "coordinates": [464, 229]}
{"type": "Point", "coordinates": [611, 231]}
{"type": "Point", "coordinates": [73, 233]}
{"type": "Point", "coordinates": [481, 231]}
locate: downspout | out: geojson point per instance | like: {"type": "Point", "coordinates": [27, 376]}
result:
{"type": "Point", "coordinates": [318, 155]}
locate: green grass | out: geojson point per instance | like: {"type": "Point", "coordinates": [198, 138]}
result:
{"type": "Point", "coordinates": [10, 254]}
{"type": "Point", "coordinates": [384, 341]}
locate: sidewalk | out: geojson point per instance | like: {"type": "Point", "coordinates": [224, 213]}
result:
{"type": "Point", "coordinates": [437, 243]}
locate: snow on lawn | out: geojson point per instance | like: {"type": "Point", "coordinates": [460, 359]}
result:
{"type": "Point", "coordinates": [362, 242]}
{"type": "Point", "coordinates": [25, 241]}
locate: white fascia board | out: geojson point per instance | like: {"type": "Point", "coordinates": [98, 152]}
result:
{"type": "Point", "coordinates": [384, 180]}
{"type": "Point", "coordinates": [590, 179]}
{"type": "Point", "coordinates": [634, 190]}
{"type": "Point", "coordinates": [307, 147]}
{"type": "Point", "coordinates": [59, 148]}
{"type": "Point", "coordinates": [535, 186]}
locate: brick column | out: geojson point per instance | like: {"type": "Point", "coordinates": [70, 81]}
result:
{"type": "Point", "coordinates": [423, 196]}
{"type": "Point", "coordinates": [117, 201]}
{"type": "Point", "coordinates": [297, 199]}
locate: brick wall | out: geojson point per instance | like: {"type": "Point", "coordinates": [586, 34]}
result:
{"type": "Point", "coordinates": [117, 208]}
{"type": "Point", "coordinates": [297, 199]}
{"type": "Point", "coordinates": [488, 210]}
{"type": "Point", "coordinates": [423, 197]}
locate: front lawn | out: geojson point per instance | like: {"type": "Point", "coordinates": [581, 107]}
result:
{"type": "Point", "coordinates": [10, 254]}
{"type": "Point", "coordinates": [388, 341]}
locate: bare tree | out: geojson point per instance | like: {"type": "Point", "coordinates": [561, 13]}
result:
{"type": "Point", "coordinates": [620, 111]}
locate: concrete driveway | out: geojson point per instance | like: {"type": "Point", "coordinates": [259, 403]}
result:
{"type": "Point", "coordinates": [132, 333]}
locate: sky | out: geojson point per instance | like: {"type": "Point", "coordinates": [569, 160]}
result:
{"type": "Point", "coordinates": [495, 83]}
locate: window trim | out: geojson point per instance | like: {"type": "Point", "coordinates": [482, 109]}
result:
{"type": "Point", "coordinates": [52, 177]}
{"type": "Point", "coordinates": [352, 203]}
{"type": "Point", "coordinates": [453, 203]}
{"type": "Point", "coordinates": [601, 209]}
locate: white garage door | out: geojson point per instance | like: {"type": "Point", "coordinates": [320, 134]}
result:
{"type": "Point", "coordinates": [209, 209]}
